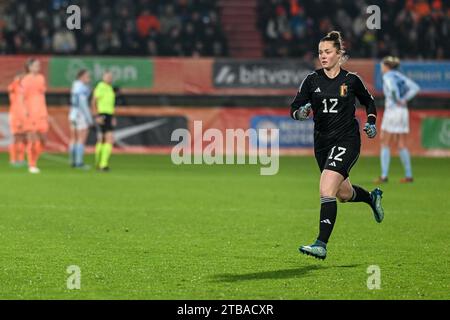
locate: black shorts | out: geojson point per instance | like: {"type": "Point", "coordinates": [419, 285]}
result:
{"type": "Point", "coordinates": [106, 124]}
{"type": "Point", "coordinates": [340, 157]}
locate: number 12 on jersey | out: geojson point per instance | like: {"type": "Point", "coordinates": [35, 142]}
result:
{"type": "Point", "coordinates": [333, 103]}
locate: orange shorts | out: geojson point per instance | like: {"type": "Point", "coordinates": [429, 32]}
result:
{"type": "Point", "coordinates": [16, 124]}
{"type": "Point", "coordinates": [36, 125]}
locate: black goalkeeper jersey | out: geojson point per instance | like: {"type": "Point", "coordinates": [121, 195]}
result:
{"type": "Point", "coordinates": [334, 105]}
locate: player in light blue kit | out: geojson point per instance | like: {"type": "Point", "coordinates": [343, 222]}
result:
{"type": "Point", "coordinates": [80, 118]}
{"type": "Point", "coordinates": [398, 90]}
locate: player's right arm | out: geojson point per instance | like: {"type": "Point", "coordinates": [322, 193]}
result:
{"type": "Point", "coordinates": [83, 101]}
{"type": "Point", "coordinates": [11, 93]}
{"type": "Point", "coordinates": [94, 108]}
{"type": "Point", "coordinates": [301, 106]}
{"type": "Point", "coordinates": [94, 104]}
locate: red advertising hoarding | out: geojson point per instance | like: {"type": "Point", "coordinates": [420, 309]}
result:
{"type": "Point", "coordinates": [156, 139]}
{"type": "Point", "coordinates": [190, 76]}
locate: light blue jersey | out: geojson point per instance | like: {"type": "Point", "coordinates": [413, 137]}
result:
{"type": "Point", "coordinates": [398, 89]}
{"type": "Point", "coordinates": [79, 102]}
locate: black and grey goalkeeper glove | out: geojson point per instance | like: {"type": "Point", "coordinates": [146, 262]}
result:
{"type": "Point", "coordinates": [303, 112]}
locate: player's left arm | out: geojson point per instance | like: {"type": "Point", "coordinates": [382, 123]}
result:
{"type": "Point", "coordinates": [367, 100]}
{"type": "Point", "coordinates": [413, 89]}
{"type": "Point", "coordinates": [94, 109]}
{"type": "Point", "coordinates": [42, 84]}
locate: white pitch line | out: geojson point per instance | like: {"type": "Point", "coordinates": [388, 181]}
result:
{"type": "Point", "coordinates": [58, 159]}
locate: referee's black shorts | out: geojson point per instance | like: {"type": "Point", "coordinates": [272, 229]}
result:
{"type": "Point", "coordinates": [339, 157]}
{"type": "Point", "coordinates": [106, 123]}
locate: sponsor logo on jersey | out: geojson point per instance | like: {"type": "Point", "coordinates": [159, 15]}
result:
{"type": "Point", "coordinates": [318, 90]}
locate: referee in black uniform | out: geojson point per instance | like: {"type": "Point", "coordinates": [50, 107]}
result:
{"type": "Point", "coordinates": [330, 93]}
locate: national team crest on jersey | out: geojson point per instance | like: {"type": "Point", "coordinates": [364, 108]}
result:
{"type": "Point", "coordinates": [343, 90]}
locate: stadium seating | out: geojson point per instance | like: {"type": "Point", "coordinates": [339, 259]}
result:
{"type": "Point", "coordinates": [409, 29]}
{"type": "Point", "coordinates": [113, 27]}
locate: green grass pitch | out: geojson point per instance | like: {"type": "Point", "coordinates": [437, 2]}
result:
{"type": "Point", "coordinates": [152, 230]}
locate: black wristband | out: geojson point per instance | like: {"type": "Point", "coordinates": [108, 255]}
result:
{"type": "Point", "coordinates": [294, 110]}
{"type": "Point", "coordinates": [371, 119]}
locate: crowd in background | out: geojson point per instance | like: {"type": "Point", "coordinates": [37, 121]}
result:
{"type": "Point", "coordinates": [290, 28]}
{"type": "Point", "coordinates": [409, 28]}
{"type": "Point", "coordinates": [113, 27]}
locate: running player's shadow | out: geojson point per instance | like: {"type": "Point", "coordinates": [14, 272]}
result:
{"type": "Point", "coordinates": [276, 274]}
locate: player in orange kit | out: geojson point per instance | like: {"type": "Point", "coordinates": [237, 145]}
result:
{"type": "Point", "coordinates": [16, 123]}
{"type": "Point", "coordinates": [36, 123]}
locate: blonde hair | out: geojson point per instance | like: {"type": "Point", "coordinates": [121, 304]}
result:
{"type": "Point", "coordinates": [391, 62]}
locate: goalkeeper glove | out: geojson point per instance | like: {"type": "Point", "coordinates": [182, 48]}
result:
{"type": "Point", "coordinates": [303, 112]}
{"type": "Point", "coordinates": [371, 130]}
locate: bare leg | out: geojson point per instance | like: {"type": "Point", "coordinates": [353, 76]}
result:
{"type": "Point", "coordinates": [345, 192]}
{"type": "Point", "coordinates": [21, 140]}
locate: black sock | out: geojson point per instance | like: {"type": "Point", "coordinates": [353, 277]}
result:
{"type": "Point", "coordinates": [328, 212]}
{"type": "Point", "coordinates": [360, 195]}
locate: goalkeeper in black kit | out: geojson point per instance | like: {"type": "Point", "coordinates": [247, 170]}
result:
{"type": "Point", "coordinates": [330, 94]}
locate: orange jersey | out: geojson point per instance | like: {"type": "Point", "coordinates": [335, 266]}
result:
{"type": "Point", "coordinates": [34, 88]}
{"type": "Point", "coordinates": [16, 109]}
{"type": "Point", "coordinates": [14, 90]}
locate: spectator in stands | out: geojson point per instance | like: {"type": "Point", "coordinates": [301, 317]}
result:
{"type": "Point", "coordinates": [169, 20]}
{"type": "Point", "coordinates": [196, 21]}
{"type": "Point", "coordinates": [295, 25]}
{"type": "Point", "coordinates": [420, 8]}
{"type": "Point", "coordinates": [45, 42]}
{"type": "Point", "coordinates": [152, 48]}
{"type": "Point", "coordinates": [198, 50]}
{"type": "Point", "coordinates": [298, 23]}
{"type": "Point", "coordinates": [172, 45]}
{"type": "Point", "coordinates": [130, 40]}
{"type": "Point", "coordinates": [277, 26]}
{"type": "Point", "coordinates": [209, 37]}
{"type": "Point", "coordinates": [403, 23]}
{"type": "Point", "coordinates": [146, 23]}
{"type": "Point", "coordinates": [189, 38]}
{"type": "Point", "coordinates": [108, 40]}
{"type": "Point", "coordinates": [112, 27]}
{"type": "Point", "coordinates": [123, 18]}
{"type": "Point", "coordinates": [155, 39]}
{"type": "Point", "coordinates": [64, 41]}
{"type": "Point", "coordinates": [87, 39]}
